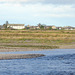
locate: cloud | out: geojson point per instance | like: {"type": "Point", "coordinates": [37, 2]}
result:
{"type": "Point", "coordinates": [38, 10]}
{"type": "Point", "coordinates": [54, 11]}
{"type": "Point", "coordinates": [40, 1]}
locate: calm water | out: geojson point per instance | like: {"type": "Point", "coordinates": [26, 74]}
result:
{"type": "Point", "coordinates": [56, 62]}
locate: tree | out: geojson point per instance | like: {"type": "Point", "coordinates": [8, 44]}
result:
{"type": "Point", "coordinates": [50, 28]}
{"type": "Point", "coordinates": [41, 25]}
{"type": "Point", "coordinates": [5, 26]}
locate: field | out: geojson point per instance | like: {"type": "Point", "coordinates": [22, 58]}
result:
{"type": "Point", "coordinates": [37, 39]}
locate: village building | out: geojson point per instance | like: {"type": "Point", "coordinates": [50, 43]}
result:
{"type": "Point", "coordinates": [59, 28]}
{"type": "Point", "coordinates": [50, 27]}
{"type": "Point", "coordinates": [15, 26]}
{"type": "Point", "coordinates": [34, 27]}
{"type": "Point", "coordinates": [69, 28]}
{"type": "Point", "coordinates": [37, 27]}
{"type": "Point", "coordinates": [27, 27]}
{"type": "Point", "coordinates": [31, 27]}
{"type": "Point", "coordinates": [47, 27]}
{"type": "Point", "coordinates": [2, 27]}
{"type": "Point", "coordinates": [54, 27]}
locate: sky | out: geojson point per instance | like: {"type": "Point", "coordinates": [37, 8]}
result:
{"type": "Point", "coordinates": [32, 12]}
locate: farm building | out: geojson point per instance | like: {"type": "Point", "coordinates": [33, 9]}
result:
{"type": "Point", "coordinates": [16, 26]}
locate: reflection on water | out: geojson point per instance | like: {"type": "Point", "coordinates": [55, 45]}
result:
{"type": "Point", "coordinates": [56, 62]}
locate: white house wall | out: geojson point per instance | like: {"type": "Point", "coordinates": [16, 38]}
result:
{"type": "Point", "coordinates": [18, 27]}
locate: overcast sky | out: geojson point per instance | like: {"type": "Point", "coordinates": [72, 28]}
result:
{"type": "Point", "coordinates": [49, 12]}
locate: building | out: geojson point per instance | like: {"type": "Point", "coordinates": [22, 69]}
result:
{"type": "Point", "coordinates": [7, 23]}
{"type": "Point", "coordinates": [34, 27]}
{"type": "Point", "coordinates": [59, 28]}
{"type": "Point", "coordinates": [69, 28]}
{"type": "Point", "coordinates": [16, 26]}
{"type": "Point", "coordinates": [2, 27]}
{"type": "Point", "coordinates": [47, 27]}
{"type": "Point", "coordinates": [54, 27]}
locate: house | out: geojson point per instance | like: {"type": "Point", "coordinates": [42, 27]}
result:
{"type": "Point", "coordinates": [27, 27]}
{"type": "Point", "coordinates": [31, 27]}
{"type": "Point", "coordinates": [69, 28]}
{"type": "Point", "coordinates": [59, 28]}
{"type": "Point", "coordinates": [37, 27]}
{"type": "Point", "coordinates": [54, 27]}
{"type": "Point", "coordinates": [2, 27]}
{"type": "Point", "coordinates": [16, 26]}
{"type": "Point", "coordinates": [34, 27]}
{"type": "Point", "coordinates": [47, 27]}
{"type": "Point", "coordinates": [50, 27]}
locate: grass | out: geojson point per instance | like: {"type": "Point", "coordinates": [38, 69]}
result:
{"type": "Point", "coordinates": [33, 46]}
{"type": "Point", "coordinates": [47, 38]}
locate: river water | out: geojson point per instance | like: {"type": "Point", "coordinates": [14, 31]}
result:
{"type": "Point", "coordinates": [55, 62]}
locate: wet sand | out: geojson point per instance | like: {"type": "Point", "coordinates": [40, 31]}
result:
{"type": "Point", "coordinates": [67, 46]}
{"type": "Point", "coordinates": [23, 56]}
{"type": "Point", "coordinates": [13, 49]}
{"type": "Point", "coordinates": [19, 56]}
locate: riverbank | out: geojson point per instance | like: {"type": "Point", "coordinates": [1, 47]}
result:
{"type": "Point", "coordinates": [33, 40]}
{"type": "Point", "coordinates": [14, 49]}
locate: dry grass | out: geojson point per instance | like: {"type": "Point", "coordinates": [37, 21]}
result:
{"type": "Point", "coordinates": [46, 37]}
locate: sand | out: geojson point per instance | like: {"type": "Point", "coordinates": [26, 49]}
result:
{"type": "Point", "coordinates": [19, 56]}
{"type": "Point", "coordinates": [13, 49]}
{"type": "Point", "coordinates": [24, 56]}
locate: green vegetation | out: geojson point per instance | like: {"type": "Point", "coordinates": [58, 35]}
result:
{"type": "Point", "coordinates": [50, 28]}
{"type": "Point", "coordinates": [33, 46]}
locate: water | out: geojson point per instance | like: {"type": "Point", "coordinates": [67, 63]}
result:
{"type": "Point", "coordinates": [56, 62]}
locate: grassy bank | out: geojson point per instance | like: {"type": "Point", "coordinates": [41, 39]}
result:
{"type": "Point", "coordinates": [43, 39]}
{"type": "Point", "coordinates": [33, 46]}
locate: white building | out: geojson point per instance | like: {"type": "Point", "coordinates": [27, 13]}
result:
{"type": "Point", "coordinates": [54, 27]}
{"type": "Point", "coordinates": [16, 26]}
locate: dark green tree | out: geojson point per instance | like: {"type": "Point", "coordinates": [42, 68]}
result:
{"type": "Point", "coordinates": [5, 26]}
{"type": "Point", "coordinates": [42, 27]}
{"type": "Point", "coordinates": [50, 28]}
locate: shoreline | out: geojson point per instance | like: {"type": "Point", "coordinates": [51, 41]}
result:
{"type": "Point", "coordinates": [24, 56]}
{"type": "Point", "coordinates": [14, 49]}
{"type": "Point", "coordinates": [19, 56]}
